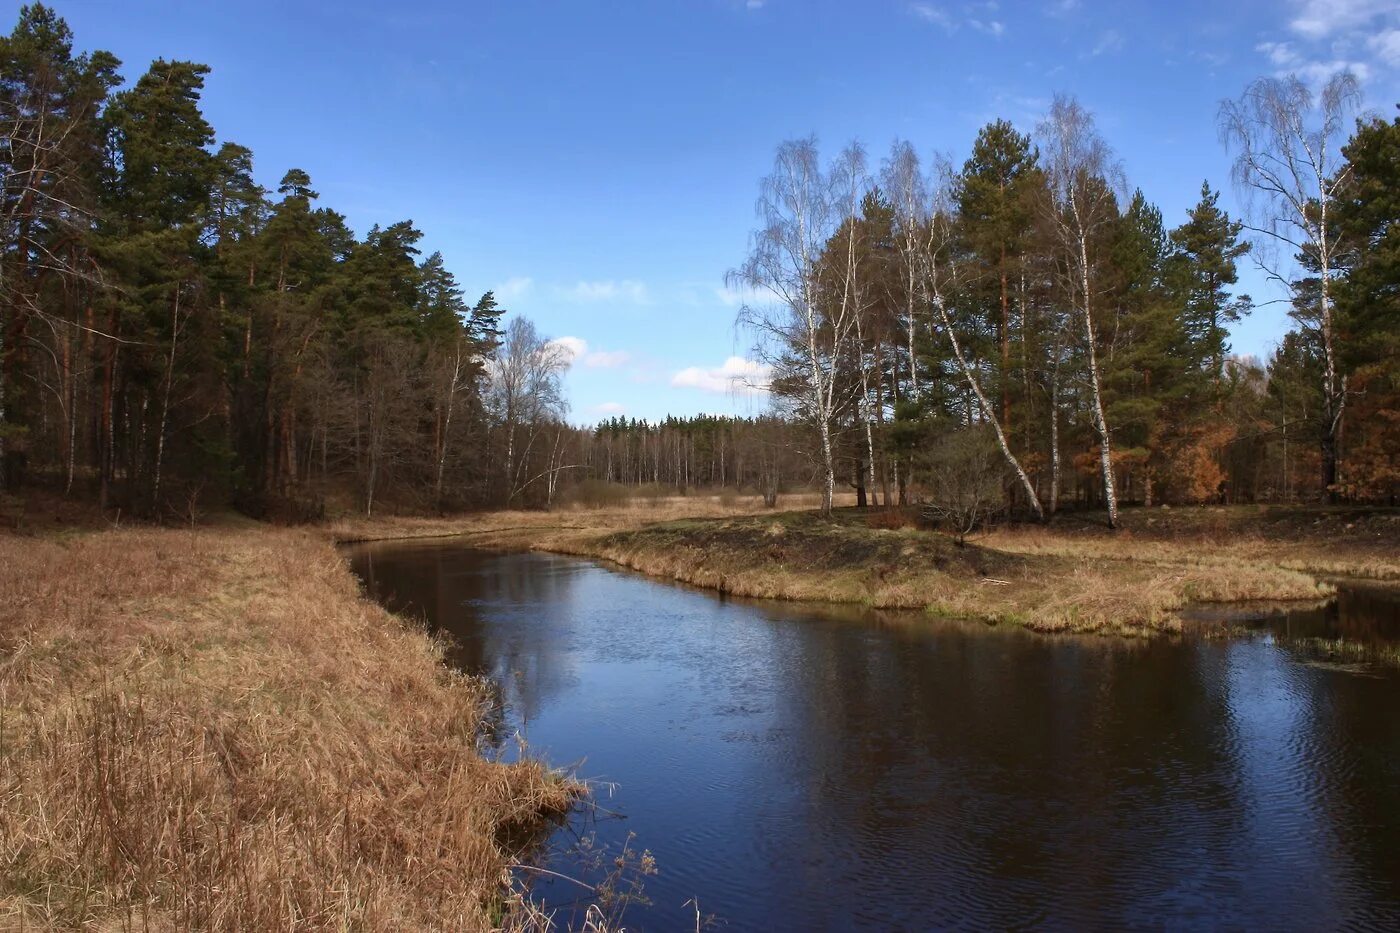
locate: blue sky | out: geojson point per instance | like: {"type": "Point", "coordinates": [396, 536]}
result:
{"type": "Point", "coordinates": [597, 163]}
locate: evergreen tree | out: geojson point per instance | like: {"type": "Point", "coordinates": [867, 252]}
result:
{"type": "Point", "coordinates": [993, 195]}
{"type": "Point", "coordinates": [50, 137]}
{"type": "Point", "coordinates": [1207, 246]}
{"type": "Point", "coordinates": [1368, 308]}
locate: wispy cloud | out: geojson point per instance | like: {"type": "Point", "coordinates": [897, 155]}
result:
{"type": "Point", "coordinates": [1318, 19]}
{"type": "Point", "coordinates": [930, 13]}
{"type": "Point", "coordinates": [1324, 37]}
{"type": "Point", "coordinates": [606, 359]}
{"type": "Point", "coordinates": [628, 291]}
{"type": "Point", "coordinates": [1110, 41]}
{"type": "Point", "coordinates": [514, 289]}
{"type": "Point", "coordinates": [736, 376]}
{"type": "Point", "coordinates": [1385, 45]}
{"type": "Point", "coordinates": [576, 348]}
{"type": "Point", "coordinates": [975, 16]}
{"type": "Point", "coordinates": [1287, 59]}
{"type": "Point", "coordinates": [1062, 7]}
{"type": "Point", "coordinates": [732, 297]}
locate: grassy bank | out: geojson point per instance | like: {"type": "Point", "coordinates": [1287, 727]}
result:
{"type": "Point", "coordinates": [1072, 576]}
{"type": "Point", "coordinates": [213, 729]}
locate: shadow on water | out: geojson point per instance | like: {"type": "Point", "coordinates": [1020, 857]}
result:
{"type": "Point", "coordinates": [821, 768]}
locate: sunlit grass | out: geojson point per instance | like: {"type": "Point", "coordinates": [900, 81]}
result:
{"type": "Point", "coordinates": [214, 730]}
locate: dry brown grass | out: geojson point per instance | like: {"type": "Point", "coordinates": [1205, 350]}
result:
{"type": "Point", "coordinates": [557, 529]}
{"type": "Point", "coordinates": [1047, 583]}
{"type": "Point", "coordinates": [214, 730]}
{"type": "Point", "coordinates": [1073, 576]}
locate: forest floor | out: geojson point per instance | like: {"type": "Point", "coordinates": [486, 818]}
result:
{"type": "Point", "coordinates": [1071, 575]}
{"type": "Point", "coordinates": [213, 728]}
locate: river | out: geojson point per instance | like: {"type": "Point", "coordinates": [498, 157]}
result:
{"type": "Point", "coordinates": [800, 767]}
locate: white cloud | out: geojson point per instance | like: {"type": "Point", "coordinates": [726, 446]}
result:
{"type": "Point", "coordinates": [1328, 36]}
{"type": "Point", "coordinates": [1386, 46]}
{"type": "Point", "coordinates": [609, 408]}
{"type": "Point", "coordinates": [627, 290]}
{"type": "Point", "coordinates": [1280, 54]}
{"type": "Point", "coordinates": [606, 359]}
{"type": "Point", "coordinates": [936, 15]}
{"type": "Point", "coordinates": [732, 297]}
{"type": "Point", "coordinates": [1062, 7]}
{"type": "Point", "coordinates": [939, 16]}
{"type": "Point", "coordinates": [1110, 40]}
{"type": "Point", "coordinates": [736, 375]}
{"type": "Point", "coordinates": [575, 347]}
{"type": "Point", "coordinates": [1287, 60]}
{"type": "Point", "coordinates": [514, 289]}
{"type": "Point", "coordinates": [1318, 19]}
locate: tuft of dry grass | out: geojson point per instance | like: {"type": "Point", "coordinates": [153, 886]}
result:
{"type": "Point", "coordinates": [203, 729]}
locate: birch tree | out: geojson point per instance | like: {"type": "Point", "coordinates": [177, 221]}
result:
{"type": "Point", "coordinates": [850, 184]}
{"type": "Point", "coordinates": [524, 393]}
{"type": "Point", "coordinates": [1290, 166]}
{"type": "Point", "coordinates": [797, 214]}
{"type": "Point", "coordinates": [903, 181]}
{"type": "Point", "coordinates": [1083, 178]}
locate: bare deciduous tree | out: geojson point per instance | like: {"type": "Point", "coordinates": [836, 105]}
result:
{"type": "Point", "coordinates": [1290, 166]}
{"type": "Point", "coordinates": [1084, 179]}
{"type": "Point", "coordinates": [804, 344]}
{"type": "Point", "coordinates": [904, 185]}
{"type": "Point", "coordinates": [524, 394]}
{"type": "Point", "coordinates": [966, 480]}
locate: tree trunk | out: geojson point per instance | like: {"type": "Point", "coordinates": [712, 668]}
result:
{"type": "Point", "coordinates": [1110, 495]}
{"type": "Point", "coordinates": [989, 412]}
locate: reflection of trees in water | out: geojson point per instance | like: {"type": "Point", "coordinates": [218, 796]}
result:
{"type": "Point", "coordinates": [448, 586]}
{"type": "Point", "coordinates": [1368, 615]}
{"type": "Point", "coordinates": [1024, 776]}
{"type": "Point", "coordinates": [979, 760]}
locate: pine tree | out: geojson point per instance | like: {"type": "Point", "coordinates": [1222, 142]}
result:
{"type": "Point", "coordinates": [1207, 246]}
{"type": "Point", "coordinates": [1368, 308]}
{"type": "Point", "coordinates": [50, 108]}
{"type": "Point", "coordinates": [993, 197]}
{"type": "Point", "coordinates": [158, 185]}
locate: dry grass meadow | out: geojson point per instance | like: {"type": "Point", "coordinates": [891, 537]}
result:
{"type": "Point", "coordinates": [211, 729]}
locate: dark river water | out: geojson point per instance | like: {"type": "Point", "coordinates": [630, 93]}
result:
{"type": "Point", "coordinates": [797, 767]}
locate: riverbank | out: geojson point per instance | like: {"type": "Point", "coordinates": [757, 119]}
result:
{"type": "Point", "coordinates": [1071, 576]}
{"type": "Point", "coordinates": [214, 729]}
{"type": "Point", "coordinates": [800, 556]}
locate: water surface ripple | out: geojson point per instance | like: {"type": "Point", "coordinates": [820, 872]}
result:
{"type": "Point", "coordinates": [815, 768]}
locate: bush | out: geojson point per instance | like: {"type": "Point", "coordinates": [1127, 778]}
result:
{"type": "Point", "coordinates": [596, 494]}
{"type": "Point", "coordinates": [967, 480]}
{"type": "Point", "coordinates": [653, 494]}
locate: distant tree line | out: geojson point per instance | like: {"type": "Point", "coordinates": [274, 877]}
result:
{"type": "Point", "coordinates": [1029, 297]}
